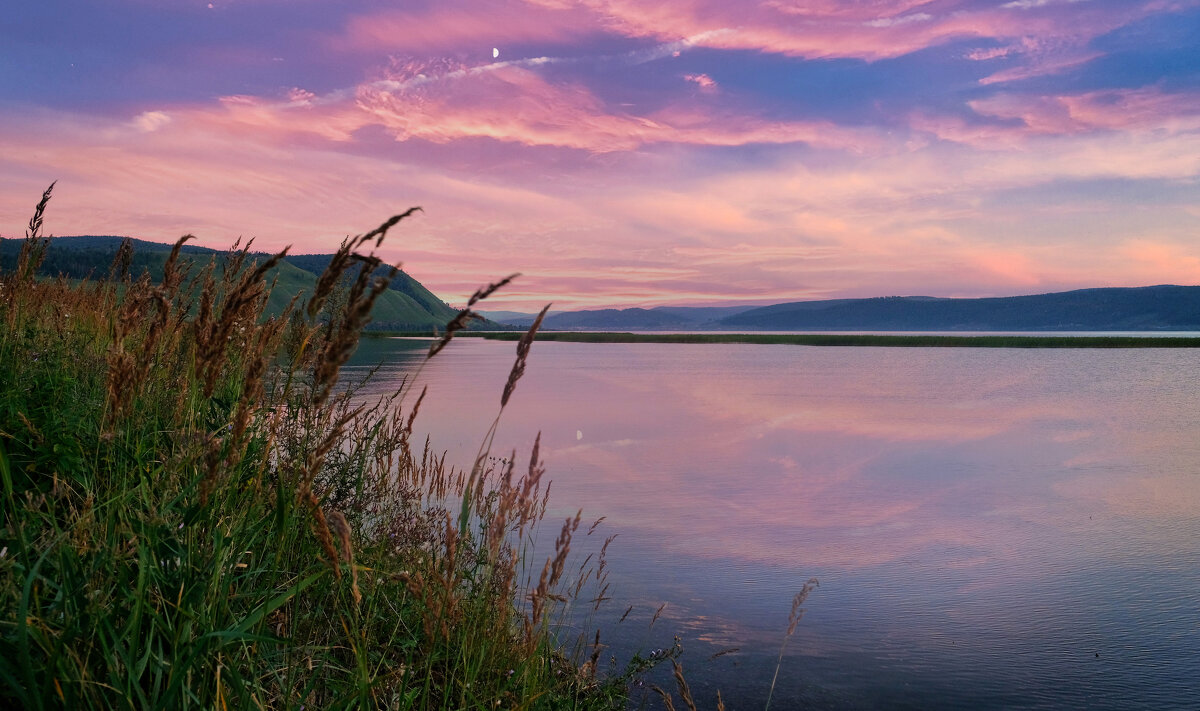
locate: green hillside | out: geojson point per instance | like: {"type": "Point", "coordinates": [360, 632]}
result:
{"type": "Point", "coordinates": [407, 305]}
{"type": "Point", "coordinates": [405, 302]}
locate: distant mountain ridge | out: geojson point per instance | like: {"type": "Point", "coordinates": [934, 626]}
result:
{"type": "Point", "coordinates": [1147, 308]}
{"type": "Point", "coordinates": [659, 318]}
{"type": "Point", "coordinates": [407, 305]}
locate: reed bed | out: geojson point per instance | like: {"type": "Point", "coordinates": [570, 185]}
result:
{"type": "Point", "coordinates": [198, 514]}
{"type": "Point", "coordinates": [875, 340]}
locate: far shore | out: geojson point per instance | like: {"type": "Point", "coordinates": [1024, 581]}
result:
{"type": "Point", "coordinates": [841, 339]}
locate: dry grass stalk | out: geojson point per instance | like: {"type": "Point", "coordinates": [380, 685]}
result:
{"type": "Point", "coordinates": [340, 528]}
{"type": "Point", "coordinates": [344, 327]}
{"type": "Point", "coordinates": [551, 573]}
{"type": "Point", "coordinates": [684, 691]}
{"type": "Point", "coordinates": [381, 231]}
{"type": "Point", "coordinates": [249, 402]}
{"type": "Point", "coordinates": [122, 260]}
{"type": "Point", "coordinates": [203, 325]}
{"type": "Point", "coordinates": [594, 660]}
{"type": "Point", "coordinates": [585, 574]}
{"type": "Point", "coordinates": [406, 434]}
{"type": "Point", "coordinates": [129, 360]}
{"type": "Point", "coordinates": [458, 323]}
{"type": "Point", "coordinates": [328, 280]}
{"type": "Point", "coordinates": [344, 339]}
{"type": "Point", "coordinates": [602, 571]}
{"type": "Point", "coordinates": [412, 415]}
{"type": "Point", "coordinates": [523, 347]}
{"type": "Point", "coordinates": [334, 427]}
{"type": "Point", "coordinates": [527, 502]}
{"type": "Point", "coordinates": [33, 250]}
{"type": "Point", "coordinates": [126, 372]}
{"type": "Point", "coordinates": [657, 612]}
{"type": "Point", "coordinates": [670, 705]}
{"type": "Point", "coordinates": [172, 276]}
{"type": "Point", "coordinates": [439, 598]}
{"type": "Point", "coordinates": [324, 535]}
{"type": "Point", "coordinates": [793, 620]}
{"type": "Point", "coordinates": [506, 502]}
{"type": "Point", "coordinates": [240, 307]}
{"type": "Point", "coordinates": [121, 375]}
{"type": "Point", "coordinates": [474, 490]}
{"type": "Point", "coordinates": [797, 612]}
{"type": "Point", "coordinates": [464, 317]}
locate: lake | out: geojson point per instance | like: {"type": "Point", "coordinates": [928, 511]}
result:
{"type": "Point", "coordinates": [991, 528]}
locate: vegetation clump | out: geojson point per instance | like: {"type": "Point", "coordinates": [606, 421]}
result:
{"type": "Point", "coordinates": [872, 340]}
{"type": "Point", "coordinates": [197, 514]}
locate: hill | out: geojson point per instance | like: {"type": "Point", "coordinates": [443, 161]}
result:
{"type": "Point", "coordinates": [1149, 308]}
{"type": "Point", "coordinates": [406, 305]}
{"type": "Point", "coordinates": [659, 318]}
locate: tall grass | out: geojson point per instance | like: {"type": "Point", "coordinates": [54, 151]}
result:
{"type": "Point", "coordinates": [197, 514]}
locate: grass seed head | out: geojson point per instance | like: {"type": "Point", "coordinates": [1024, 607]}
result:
{"type": "Point", "coordinates": [523, 347]}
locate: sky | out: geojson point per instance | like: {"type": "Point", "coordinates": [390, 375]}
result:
{"type": "Point", "coordinates": [621, 153]}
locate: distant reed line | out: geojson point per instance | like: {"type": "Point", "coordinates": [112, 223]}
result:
{"type": "Point", "coordinates": [839, 339]}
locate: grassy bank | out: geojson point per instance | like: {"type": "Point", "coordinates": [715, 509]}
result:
{"type": "Point", "coordinates": [836, 339]}
{"type": "Point", "coordinates": [197, 514]}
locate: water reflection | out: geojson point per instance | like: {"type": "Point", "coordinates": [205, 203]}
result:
{"type": "Point", "coordinates": [984, 522]}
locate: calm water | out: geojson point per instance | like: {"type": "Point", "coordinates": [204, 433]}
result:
{"type": "Point", "coordinates": [1015, 529]}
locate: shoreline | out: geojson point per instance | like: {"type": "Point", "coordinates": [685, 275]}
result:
{"type": "Point", "coordinates": [836, 339]}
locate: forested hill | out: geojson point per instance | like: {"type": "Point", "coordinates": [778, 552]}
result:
{"type": "Point", "coordinates": [407, 305]}
{"type": "Point", "coordinates": [1149, 308]}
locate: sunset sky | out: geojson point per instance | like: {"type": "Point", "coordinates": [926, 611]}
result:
{"type": "Point", "coordinates": [623, 153]}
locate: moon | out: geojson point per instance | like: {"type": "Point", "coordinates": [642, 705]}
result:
{"type": "Point", "coordinates": [495, 53]}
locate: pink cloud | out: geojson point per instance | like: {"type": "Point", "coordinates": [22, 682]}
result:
{"type": "Point", "coordinates": [982, 55]}
{"type": "Point", "coordinates": [1146, 109]}
{"type": "Point", "coordinates": [628, 216]}
{"type": "Point", "coordinates": [509, 102]}
{"type": "Point", "coordinates": [1180, 264]}
{"type": "Point", "coordinates": [1137, 109]}
{"type": "Point", "coordinates": [471, 29]}
{"type": "Point", "coordinates": [1042, 64]}
{"type": "Point", "coordinates": [1045, 38]}
{"type": "Point", "coordinates": [1147, 118]}
{"type": "Point", "coordinates": [1039, 38]}
{"type": "Point", "coordinates": [704, 81]}
{"type": "Point", "coordinates": [1012, 266]}
{"type": "Point", "coordinates": [150, 121]}
{"type": "Point", "coordinates": [275, 120]}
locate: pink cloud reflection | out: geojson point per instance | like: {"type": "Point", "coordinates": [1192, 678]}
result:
{"type": "Point", "coordinates": [802, 457]}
